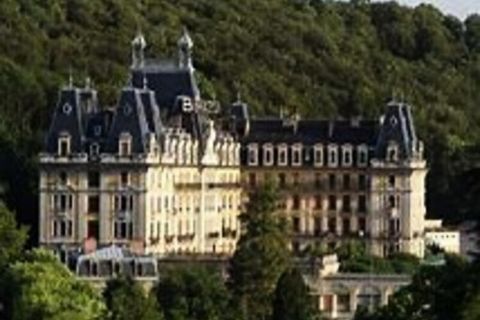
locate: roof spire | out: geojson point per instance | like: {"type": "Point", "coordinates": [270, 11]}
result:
{"type": "Point", "coordinates": [185, 46]}
{"type": "Point", "coordinates": [138, 47]}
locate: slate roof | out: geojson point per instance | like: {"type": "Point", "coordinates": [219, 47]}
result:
{"type": "Point", "coordinates": [312, 131]}
{"type": "Point", "coordinates": [167, 81]}
{"type": "Point", "coordinates": [129, 118]}
{"type": "Point", "coordinates": [69, 117]}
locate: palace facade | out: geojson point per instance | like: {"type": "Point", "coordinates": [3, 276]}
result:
{"type": "Point", "coordinates": [153, 174]}
{"type": "Point", "coordinates": [158, 174]}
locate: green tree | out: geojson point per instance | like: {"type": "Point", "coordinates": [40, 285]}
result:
{"type": "Point", "coordinates": [41, 288]}
{"type": "Point", "coordinates": [12, 237]}
{"type": "Point", "coordinates": [292, 299]}
{"type": "Point", "coordinates": [193, 293]}
{"type": "Point", "coordinates": [126, 299]}
{"type": "Point", "coordinates": [262, 255]}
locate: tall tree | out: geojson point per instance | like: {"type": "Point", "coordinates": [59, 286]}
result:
{"type": "Point", "coordinates": [292, 300]}
{"type": "Point", "coordinates": [126, 299]}
{"type": "Point", "coordinates": [262, 255]}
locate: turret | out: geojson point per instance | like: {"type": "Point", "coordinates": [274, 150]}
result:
{"type": "Point", "coordinates": [138, 49]}
{"type": "Point", "coordinates": [185, 46]}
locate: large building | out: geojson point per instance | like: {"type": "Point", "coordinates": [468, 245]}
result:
{"type": "Point", "coordinates": [153, 174]}
{"type": "Point", "coordinates": [158, 174]}
{"type": "Point", "coordinates": [362, 179]}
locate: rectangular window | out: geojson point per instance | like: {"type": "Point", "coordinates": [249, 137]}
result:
{"type": "Point", "coordinates": [347, 156]}
{"type": "Point", "coordinates": [252, 155]}
{"type": "Point", "coordinates": [93, 179]}
{"type": "Point", "coordinates": [268, 155]}
{"type": "Point", "coordinates": [391, 181]}
{"type": "Point", "coordinates": [332, 203]}
{"type": "Point", "coordinates": [296, 224]}
{"type": "Point", "coordinates": [124, 178]}
{"type": "Point", "coordinates": [362, 156]}
{"type": "Point", "coordinates": [332, 181]}
{"type": "Point", "coordinates": [318, 156]}
{"type": "Point", "coordinates": [346, 204]}
{"type": "Point", "coordinates": [318, 180]}
{"type": "Point", "coordinates": [93, 204]}
{"type": "Point", "coordinates": [332, 225]}
{"type": "Point", "coordinates": [332, 156]}
{"type": "Point", "coordinates": [296, 156]}
{"type": "Point", "coordinates": [64, 146]}
{"type": "Point", "coordinates": [296, 202]}
{"type": "Point", "coordinates": [346, 225]}
{"type": "Point", "coordinates": [346, 182]}
{"type": "Point", "coordinates": [317, 226]}
{"type": "Point", "coordinates": [63, 178]}
{"type": "Point", "coordinates": [318, 202]}
{"type": "Point", "coordinates": [282, 156]}
{"type": "Point", "coordinates": [362, 225]}
{"type": "Point", "coordinates": [362, 204]}
{"type": "Point", "coordinates": [124, 148]}
{"type": "Point", "coordinates": [362, 182]}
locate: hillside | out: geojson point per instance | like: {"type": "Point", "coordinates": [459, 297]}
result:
{"type": "Point", "coordinates": [321, 58]}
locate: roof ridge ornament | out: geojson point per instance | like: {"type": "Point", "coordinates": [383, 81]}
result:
{"type": "Point", "coordinates": [185, 46]}
{"type": "Point", "coordinates": [138, 48]}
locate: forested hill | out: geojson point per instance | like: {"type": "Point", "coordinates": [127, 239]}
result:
{"type": "Point", "coordinates": [322, 58]}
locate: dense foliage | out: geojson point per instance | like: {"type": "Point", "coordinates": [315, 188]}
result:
{"type": "Point", "coordinates": [436, 293]}
{"type": "Point", "coordinates": [262, 255]}
{"type": "Point", "coordinates": [40, 287]}
{"type": "Point", "coordinates": [353, 257]}
{"type": "Point", "coordinates": [321, 58]}
{"type": "Point", "coordinates": [127, 299]}
{"type": "Point", "coordinates": [292, 300]}
{"type": "Point", "coordinates": [193, 293]}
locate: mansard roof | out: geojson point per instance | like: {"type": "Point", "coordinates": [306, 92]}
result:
{"type": "Point", "coordinates": [167, 80]}
{"type": "Point", "coordinates": [312, 131]}
{"type": "Point", "coordinates": [397, 127]}
{"type": "Point", "coordinates": [70, 117]}
{"type": "Point", "coordinates": [130, 117]}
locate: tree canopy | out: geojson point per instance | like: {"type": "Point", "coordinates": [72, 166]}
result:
{"type": "Point", "coordinates": [262, 255]}
{"type": "Point", "coordinates": [41, 288]}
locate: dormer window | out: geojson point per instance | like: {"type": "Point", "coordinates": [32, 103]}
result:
{"type": "Point", "coordinates": [125, 144]}
{"type": "Point", "coordinates": [268, 155]}
{"type": "Point", "coordinates": [253, 155]}
{"type": "Point", "coordinates": [362, 153]}
{"type": "Point", "coordinates": [282, 155]}
{"type": "Point", "coordinates": [392, 152]}
{"type": "Point", "coordinates": [297, 155]}
{"type": "Point", "coordinates": [347, 158]}
{"type": "Point", "coordinates": [318, 155]}
{"type": "Point", "coordinates": [332, 155]}
{"type": "Point", "coordinates": [64, 145]}
{"type": "Point", "coordinates": [94, 149]}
